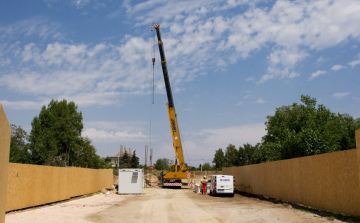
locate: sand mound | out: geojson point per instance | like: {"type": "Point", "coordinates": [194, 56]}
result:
{"type": "Point", "coordinates": [151, 178]}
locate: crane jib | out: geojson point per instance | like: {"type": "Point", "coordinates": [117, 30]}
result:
{"type": "Point", "coordinates": [164, 68]}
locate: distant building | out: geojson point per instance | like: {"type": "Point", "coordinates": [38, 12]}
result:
{"type": "Point", "coordinates": [115, 158]}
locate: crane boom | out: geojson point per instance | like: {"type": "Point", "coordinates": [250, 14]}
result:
{"type": "Point", "coordinates": [179, 170]}
{"type": "Point", "coordinates": [164, 67]}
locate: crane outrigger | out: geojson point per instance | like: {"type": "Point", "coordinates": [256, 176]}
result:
{"type": "Point", "coordinates": [178, 171]}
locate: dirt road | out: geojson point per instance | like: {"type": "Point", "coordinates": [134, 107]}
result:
{"type": "Point", "coordinates": [165, 205]}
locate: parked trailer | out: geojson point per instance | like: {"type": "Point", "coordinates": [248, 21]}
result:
{"type": "Point", "coordinates": [222, 184]}
{"type": "Point", "coordinates": [131, 181]}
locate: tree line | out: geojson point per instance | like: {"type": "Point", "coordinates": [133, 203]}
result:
{"type": "Point", "coordinates": [163, 163]}
{"type": "Point", "coordinates": [55, 140]}
{"type": "Point", "coordinates": [295, 130]}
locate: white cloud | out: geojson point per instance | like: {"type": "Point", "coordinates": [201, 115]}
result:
{"type": "Point", "coordinates": [24, 105]}
{"type": "Point", "coordinates": [321, 59]}
{"type": "Point", "coordinates": [287, 57]}
{"type": "Point", "coordinates": [276, 72]}
{"type": "Point", "coordinates": [316, 74]}
{"type": "Point", "coordinates": [113, 137]}
{"type": "Point", "coordinates": [293, 74]}
{"type": "Point", "coordinates": [353, 46]}
{"type": "Point", "coordinates": [80, 3]}
{"type": "Point", "coordinates": [117, 126]}
{"type": "Point", "coordinates": [293, 27]}
{"type": "Point", "coordinates": [197, 35]}
{"type": "Point", "coordinates": [81, 99]}
{"type": "Point", "coordinates": [89, 74]}
{"type": "Point", "coordinates": [337, 67]}
{"type": "Point", "coordinates": [249, 79]}
{"type": "Point", "coordinates": [239, 103]}
{"type": "Point", "coordinates": [236, 135]}
{"type": "Point", "coordinates": [355, 62]}
{"type": "Point", "coordinates": [265, 78]}
{"type": "Point", "coordinates": [35, 26]}
{"type": "Point", "coordinates": [260, 101]}
{"type": "Point", "coordinates": [98, 98]}
{"type": "Point", "coordinates": [247, 96]}
{"type": "Point", "coordinates": [126, 4]}
{"type": "Point", "coordinates": [340, 95]}
{"type": "Point", "coordinates": [203, 143]}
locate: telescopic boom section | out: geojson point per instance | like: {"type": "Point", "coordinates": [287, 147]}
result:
{"type": "Point", "coordinates": [171, 107]}
{"type": "Point", "coordinates": [164, 67]}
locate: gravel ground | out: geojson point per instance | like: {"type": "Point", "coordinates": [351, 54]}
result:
{"type": "Point", "coordinates": [165, 205]}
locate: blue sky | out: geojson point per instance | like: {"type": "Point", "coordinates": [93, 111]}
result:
{"type": "Point", "coordinates": [231, 63]}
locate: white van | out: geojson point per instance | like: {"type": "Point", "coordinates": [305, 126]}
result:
{"type": "Point", "coordinates": [222, 184]}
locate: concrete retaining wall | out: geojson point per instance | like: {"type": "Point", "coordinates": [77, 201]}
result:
{"type": "Point", "coordinates": [5, 136]}
{"type": "Point", "coordinates": [32, 185]}
{"type": "Point", "coordinates": [328, 181]}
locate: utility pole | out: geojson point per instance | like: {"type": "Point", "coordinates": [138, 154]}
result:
{"type": "Point", "coordinates": [119, 156]}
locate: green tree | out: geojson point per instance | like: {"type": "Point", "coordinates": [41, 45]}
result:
{"type": "Point", "coordinates": [55, 161]}
{"type": "Point", "coordinates": [108, 159]}
{"type": "Point", "coordinates": [125, 160]}
{"type": "Point", "coordinates": [134, 160]}
{"type": "Point", "coordinates": [85, 156]}
{"type": "Point", "coordinates": [231, 156]}
{"type": "Point", "coordinates": [206, 167]}
{"type": "Point", "coordinates": [303, 129]}
{"type": "Point", "coordinates": [161, 164]}
{"type": "Point", "coordinates": [19, 146]}
{"type": "Point", "coordinates": [219, 159]}
{"type": "Point", "coordinates": [56, 132]}
{"type": "Point", "coordinates": [246, 153]}
{"type": "Point", "coordinates": [103, 164]}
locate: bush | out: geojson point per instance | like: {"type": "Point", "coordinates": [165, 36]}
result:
{"type": "Point", "coordinates": [115, 171]}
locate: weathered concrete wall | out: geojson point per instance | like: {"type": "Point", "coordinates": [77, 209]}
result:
{"type": "Point", "coordinates": [5, 136]}
{"type": "Point", "coordinates": [32, 185]}
{"type": "Point", "coordinates": [328, 181]}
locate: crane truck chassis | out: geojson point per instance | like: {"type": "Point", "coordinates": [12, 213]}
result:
{"type": "Point", "coordinates": [174, 174]}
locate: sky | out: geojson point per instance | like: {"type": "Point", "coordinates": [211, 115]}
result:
{"type": "Point", "coordinates": [231, 64]}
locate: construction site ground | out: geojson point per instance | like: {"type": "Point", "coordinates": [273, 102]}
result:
{"type": "Point", "coordinates": [165, 205]}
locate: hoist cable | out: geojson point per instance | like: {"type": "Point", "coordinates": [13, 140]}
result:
{"type": "Point", "coordinates": [183, 143]}
{"type": "Point", "coordinates": [153, 70]}
{"type": "Point", "coordinates": [152, 51]}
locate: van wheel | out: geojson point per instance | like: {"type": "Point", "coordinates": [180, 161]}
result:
{"type": "Point", "coordinates": [211, 192]}
{"type": "Point", "coordinates": [232, 195]}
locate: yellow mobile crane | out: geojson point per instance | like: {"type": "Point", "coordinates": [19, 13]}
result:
{"type": "Point", "coordinates": [174, 173]}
